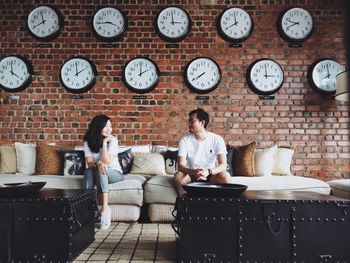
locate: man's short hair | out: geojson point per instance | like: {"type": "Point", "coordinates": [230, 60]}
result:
{"type": "Point", "coordinates": [202, 115]}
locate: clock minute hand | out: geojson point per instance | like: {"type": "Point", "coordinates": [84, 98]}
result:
{"type": "Point", "coordinates": [76, 74]}
{"type": "Point", "coordinates": [200, 75]}
{"type": "Point", "coordinates": [42, 22]}
{"type": "Point", "coordinates": [144, 72]}
{"type": "Point", "coordinates": [107, 22]}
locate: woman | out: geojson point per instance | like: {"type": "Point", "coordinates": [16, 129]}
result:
{"type": "Point", "coordinates": [101, 155]}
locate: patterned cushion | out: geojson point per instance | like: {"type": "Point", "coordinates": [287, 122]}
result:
{"type": "Point", "coordinates": [170, 158]}
{"type": "Point", "coordinates": [229, 158]}
{"type": "Point", "coordinates": [8, 162]}
{"type": "Point", "coordinates": [73, 162]}
{"type": "Point", "coordinates": [125, 160]}
{"type": "Point", "coordinates": [243, 160]}
{"type": "Point", "coordinates": [48, 159]}
{"type": "Point", "coordinates": [148, 163]}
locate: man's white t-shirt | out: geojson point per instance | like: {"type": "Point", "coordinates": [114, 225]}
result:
{"type": "Point", "coordinates": [112, 149]}
{"type": "Point", "coordinates": [201, 154]}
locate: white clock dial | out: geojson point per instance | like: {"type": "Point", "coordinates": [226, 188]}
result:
{"type": "Point", "coordinates": [44, 22]}
{"type": "Point", "coordinates": [15, 73]}
{"type": "Point", "coordinates": [109, 23]}
{"type": "Point", "coordinates": [202, 75]}
{"type": "Point", "coordinates": [235, 24]}
{"type": "Point", "coordinates": [265, 76]}
{"type": "Point", "coordinates": [141, 75]}
{"type": "Point", "coordinates": [295, 24]}
{"type": "Point", "coordinates": [322, 75]}
{"type": "Point", "coordinates": [173, 24]}
{"type": "Point", "coordinates": [78, 75]}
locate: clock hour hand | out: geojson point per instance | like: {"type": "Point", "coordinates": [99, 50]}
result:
{"type": "Point", "coordinates": [293, 23]}
{"type": "Point", "coordinates": [12, 73]}
{"type": "Point", "coordinates": [107, 22]}
{"type": "Point", "coordinates": [266, 76]}
{"type": "Point", "coordinates": [200, 75]}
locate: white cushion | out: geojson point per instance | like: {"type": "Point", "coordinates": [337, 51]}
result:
{"type": "Point", "coordinates": [148, 163]}
{"type": "Point", "coordinates": [340, 188]}
{"type": "Point", "coordinates": [160, 189]}
{"type": "Point", "coordinates": [264, 160]}
{"type": "Point", "coordinates": [136, 148]}
{"type": "Point", "coordinates": [26, 157]}
{"type": "Point", "coordinates": [283, 161]}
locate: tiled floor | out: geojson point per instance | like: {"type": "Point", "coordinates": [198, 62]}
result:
{"type": "Point", "coordinates": [132, 242]}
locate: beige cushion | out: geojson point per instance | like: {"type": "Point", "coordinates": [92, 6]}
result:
{"type": "Point", "coordinates": [161, 212]}
{"type": "Point", "coordinates": [283, 161]}
{"type": "Point", "coordinates": [264, 160]}
{"type": "Point", "coordinates": [340, 188]}
{"type": "Point", "coordinates": [160, 189]}
{"type": "Point", "coordinates": [126, 213]}
{"type": "Point", "coordinates": [8, 159]}
{"type": "Point", "coordinates": [148, 163]}
{"type": "Point", "coordinates": [48, 159]}
{"type": "Point", "coordinates": [126, 192]}
{"type": "Point", "coordinates": [26, 157]}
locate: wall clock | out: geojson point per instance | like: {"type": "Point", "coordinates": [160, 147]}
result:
{"type": "Point", "coordinates": [295, 25]}
{"type": "Point", "coordinates": [265, 76]}
{"type": "Point", "coordinates": [321, 75]}
{"type": "Point", "coordinates": [45, 23]}
{"type": "Point", "coordinates": [202, 75]}
{"type": "Point", "coordinates": [141, 75]}
{"type": "Point", "coordinates": [15, 73]}
{"type": "Point", "coordinates": [173, 24]}
{"type": "Point", "coordinates": [78, 74]}
{"type": "Point", "coordinates": [109, 24]}
{"type": "Point", "coordinates": [234, 24]}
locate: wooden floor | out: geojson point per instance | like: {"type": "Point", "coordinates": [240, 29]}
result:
{"type": "Point", "coordinates": [132, 242]}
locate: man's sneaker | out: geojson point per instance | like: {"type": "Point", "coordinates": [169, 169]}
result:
{"type": "Point", "coordinates": [105, 219]}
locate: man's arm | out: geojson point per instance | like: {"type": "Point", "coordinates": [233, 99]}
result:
{"type": "Point", "coordinates": [181, 162]}
{"type": "Point", "coordinates": [222, 163]}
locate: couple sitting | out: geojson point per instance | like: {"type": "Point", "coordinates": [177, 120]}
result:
{"type": "Point", "coordinates": [201, 157]}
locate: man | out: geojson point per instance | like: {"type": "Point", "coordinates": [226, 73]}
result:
{"type": "Point", "coordinates": [202, 154]}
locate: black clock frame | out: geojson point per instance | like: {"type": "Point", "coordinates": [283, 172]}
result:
{"type": "Point", "coordinates": [141, 91]}
{"type": "Point", "coordinates": [56, 33]}
{"type": "Point", "coordinates": [110, 39]}
{"type": "Point", "coordinates": [194, 89]}
{"type": "Point", "coordinates": [28, 80]}
{"type": "Point", "coordinates": [251, 84]}
{"type": "Point", "coordinates": [285, 37]}
{"type": "Point", "coordinates": [311, 81]}
{"type": "Point", "coordinates": [226, 37]}
{"type": "Point", "coordinates": [86, 88]}
{"type": "Point", "coordinates": [171, 39]}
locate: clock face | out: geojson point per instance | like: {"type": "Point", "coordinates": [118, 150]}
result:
{"type": "Point", "coordinates": [235, 25]}
{"type": "Point", "coordinates": [322, 75]}
{"type": "Point", "coordinates": [15, 73]}
{"type": "Point", "coordinates": [295, 25]}
{"type": "Point", "coordinates": [141, 75]}
{"type": "Point", "coordinates": [78, 75]}
{"type": "Point", "coordinates": [202, 75]}
{"type": "Point", "coordinates": [109, 24]}
{"type": "Point", "coordinates": [44, 23]}
{"type": "Point", "coordinates": [173, 24]}
{"type": "Point", "coordinates": [265, 76]}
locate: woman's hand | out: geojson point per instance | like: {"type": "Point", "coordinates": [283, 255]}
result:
{"type": "Point", "coordinates": [102, 168]}
{"type": "Point", "coordinates": [107, 139]}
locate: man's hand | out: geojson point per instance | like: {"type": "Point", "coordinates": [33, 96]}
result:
{"type": "Point", "coordinates": [201, 174]}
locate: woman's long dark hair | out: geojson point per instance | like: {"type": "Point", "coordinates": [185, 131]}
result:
{"type": "Point", "coordinates": [93, 135]}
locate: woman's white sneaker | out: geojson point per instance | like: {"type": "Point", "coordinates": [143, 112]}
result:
{"type": "Point", "coordinates": [105, 219]}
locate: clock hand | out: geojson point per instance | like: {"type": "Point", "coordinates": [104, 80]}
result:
{"type": "Point", "coordinates": [327, 76]}
{"type": "Point", "coordinates": [328, 70]}
{"type": "Point", "coordinates": [265, 75]}
{"type": "Point", "coordinates": [11, 71]}
{"type": "Point", "coordinates": [293, 23]}
{"type": "Point", "coordinates": [198, 76]}
{"type": "Point", "coordinates": [140, 63]}
{"type": "Point", "coordinates": [235, 23]}
{"type": "Point", "coordinates": [76, 69]}
{"type": "Point", "coordinates": [107, 22]}
{"type": "Point", "coordinates": [42, 18]}
{"type": "Point", "coordinates": [144, 72]}
{"type": "Point", "coordinates": [42, 22]}
{"type": "Point", "coordinates": [269, 76]}
{"type": "Point", "coordinates": [172, 19]}
{"type": "Point", "coordinates": [76, 74]}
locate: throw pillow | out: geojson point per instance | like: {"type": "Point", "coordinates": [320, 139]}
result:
{"type": "Point", "coordinates": [264, 160]}
{"type": "Point", "coordinates": [26, 158]}
{"type": "Point", "coordinates": [229, 158]}
{"type": "Point", "coordinates": [148, 163]}
{"type": "Point", "coordinates": [48, 159]}
{"type": "Point", "coordinates": [8, 159]}
{"type": "Point", "coordinates": [170, 158]}
{"type": "Point", "coordinates": [243, 160]}
{"type": "Point", "coordinates": [125, 160]}
{"type": "Point", "coordinates": [73, 162]}
{"type": "Point", "coordinates": [283, 161]}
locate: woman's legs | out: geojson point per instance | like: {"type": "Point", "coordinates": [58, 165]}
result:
{"type": "Point", "coordinates": [89, 178]}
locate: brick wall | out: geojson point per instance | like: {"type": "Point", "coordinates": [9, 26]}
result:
{"type": "Point", "coordinates": [318, 129]}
